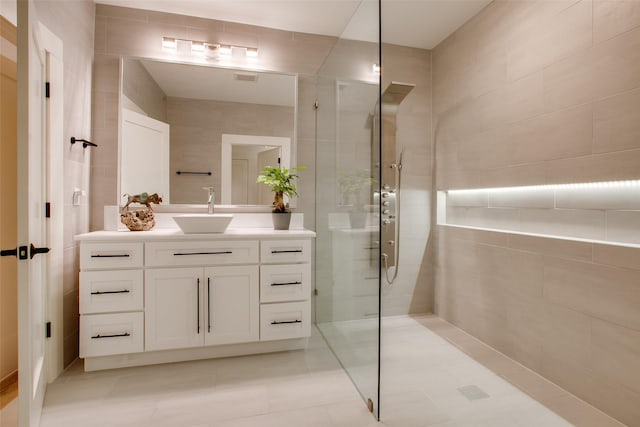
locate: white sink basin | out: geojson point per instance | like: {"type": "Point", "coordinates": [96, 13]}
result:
{"type": "Point", "coordinates": [203, 223]}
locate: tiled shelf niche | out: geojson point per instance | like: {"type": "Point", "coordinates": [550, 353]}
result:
{"type": "Point", "coordinates": [605, 211]}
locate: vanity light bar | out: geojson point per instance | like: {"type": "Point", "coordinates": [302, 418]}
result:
{"type": "Point", "coordinates": [226, 49]}
{"type": "Point", "coordinates": [169, 43]}
{"type": "Point", "coordinates": [197, 47]}
{"type": "Point", "coordinates": [574, 186]}
{"type": "Point", "coordinates": [210, 50]}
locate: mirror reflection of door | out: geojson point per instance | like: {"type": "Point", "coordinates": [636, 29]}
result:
{"type": "Point", "coordinates": [239, 181]}
{"type": "Point", "coordinates": [270, 157]}
{"type": "Point", "coordinates": [247, 162]}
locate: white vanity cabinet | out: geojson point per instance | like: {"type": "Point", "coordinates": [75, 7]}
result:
{"type": "Point", "coordinates": [162, 296]}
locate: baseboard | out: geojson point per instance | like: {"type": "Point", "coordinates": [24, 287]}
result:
{"type": "Point", "coordinates": [194, 353]}
{"type": "Point", "coordinates": [9, 380]}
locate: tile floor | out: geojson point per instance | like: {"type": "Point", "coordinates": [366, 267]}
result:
{"type": "Point", "coordinates": [433, 374]}
{"type": "Point", "coordinates": [429, 377]}
{"type": "Point", "coordinates": [297, 388]}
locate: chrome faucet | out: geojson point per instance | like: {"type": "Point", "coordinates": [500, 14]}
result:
{"type": "Point", "coordinates": [212, 198]}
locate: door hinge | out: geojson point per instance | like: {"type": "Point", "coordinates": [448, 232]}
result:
{"type": "Point", "coordinates": [47, 210]}
{"type": "Point", "coordinates": [315, 104]}
{"type": "Point", "coordinates": [47, 329]}
{"type": "Point", "coordinates": [315, 292]}
{"type": "Point", "coordinates": [47, 90]}
{"type": "Point", "coordinates": [278, 160]}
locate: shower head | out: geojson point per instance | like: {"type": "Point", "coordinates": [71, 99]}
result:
{"type": "Point", "coordinates": [395, 93]}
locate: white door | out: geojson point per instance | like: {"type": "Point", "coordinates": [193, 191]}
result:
{"type": "Point", "coordinates": [240, 182]}
{"type": "Point", "coordinates": [267, 158]}
{"type": "Point", "coordinates": [144, 155]}
{"type": "Point", "coordinates": [232, 304]}
{"type": "Point", "coordinates": [173, 308]}
{"type": "Point", "coordinates": [32, 118]}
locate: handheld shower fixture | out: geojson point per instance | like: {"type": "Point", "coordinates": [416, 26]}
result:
{"type": "Point", "coordinates": [396, 245]}
{"type": "Point", "coordinates": [391, 174]}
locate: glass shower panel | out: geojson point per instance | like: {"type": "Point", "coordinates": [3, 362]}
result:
{"type": "Point", "coordinates": [347, 214]}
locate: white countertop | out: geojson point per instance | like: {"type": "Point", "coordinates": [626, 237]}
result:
{"type": "Point", "coordinates": [177, 234]}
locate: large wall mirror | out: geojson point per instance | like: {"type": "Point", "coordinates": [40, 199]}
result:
{"type": "Point", "coordinates": [185, 126]}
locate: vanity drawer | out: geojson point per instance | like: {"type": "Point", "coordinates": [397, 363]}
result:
{"type": "Point", "coordinates": [110, 291]}
{"type": "Point", "coordinates": [107, 334]}
{"type": "Point", "coordinates": [285, 251]}
{"type": "Point", "coordinates": [285, 282]}
{"type": "Point", "coordinates": [285, 320]}
{"type": "Point", "coordinates": [164, 254]}
{"type": "Point", "coordinates": [104, 256]}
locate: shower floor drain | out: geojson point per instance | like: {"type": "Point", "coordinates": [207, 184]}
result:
{"type": "Point", "coordinates": [473, 392]}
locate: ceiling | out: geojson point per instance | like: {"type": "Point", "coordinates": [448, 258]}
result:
{"type": "Point", "coordinates": [414, 23]}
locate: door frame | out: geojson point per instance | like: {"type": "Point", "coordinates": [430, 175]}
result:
{"type": "Point", "coordinates": [46, 42]}
{"type": "Point", "coordinates": [55, 189]}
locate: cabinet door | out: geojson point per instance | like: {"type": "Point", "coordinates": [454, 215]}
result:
{"type": "Point", "coordinates": [173, 308]}
{"type": "Point", "coordinates": [232, 304]}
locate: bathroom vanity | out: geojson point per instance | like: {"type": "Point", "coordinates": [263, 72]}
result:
{"type": "Point", "coordinates": [164, 296]}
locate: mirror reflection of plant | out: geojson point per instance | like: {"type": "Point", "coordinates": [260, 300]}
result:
{"type": "Point", "coordinates": [280, 181]}
{"type": "Point", "coordinates": [352, 185]}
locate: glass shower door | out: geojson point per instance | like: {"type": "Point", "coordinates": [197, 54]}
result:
{"type": "Point", "coordinates": [347, 210]}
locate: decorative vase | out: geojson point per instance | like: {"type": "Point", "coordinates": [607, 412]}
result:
{"type": "Point", "coordinates": [281, 220]}
{"type": "Point", "coordinates": [138, 219]}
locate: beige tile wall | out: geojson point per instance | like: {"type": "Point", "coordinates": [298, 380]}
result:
{"type": "Point", "coordinates": [141, 92]}
{"type": "Point", "coordinates": [535, 92]}
{"type": "Point", "coordinates": [413, 290]}
{"type": "Point", "coordinates": [73, 23]}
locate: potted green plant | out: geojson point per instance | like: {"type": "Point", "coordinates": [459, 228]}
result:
{"type": "Point", "coordinates": [281, 182]}
{"type": "Point", "coordinates": [353, 186]}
